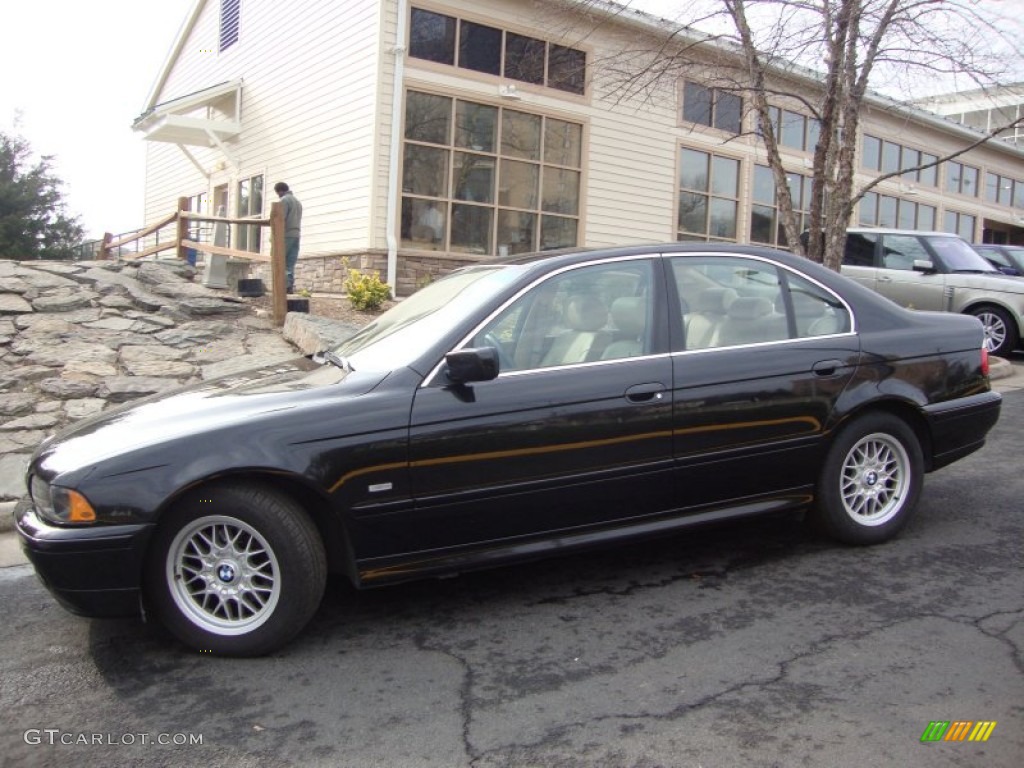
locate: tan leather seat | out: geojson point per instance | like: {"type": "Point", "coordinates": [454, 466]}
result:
{"type": "Point", "coordinates": [629, 315]}
{"type": "Point", "coordinates": [585, 315]}
{"type": "Point", "coordinates": [751, 320]}
{"type": "Point", "coordinates": [708, 313]}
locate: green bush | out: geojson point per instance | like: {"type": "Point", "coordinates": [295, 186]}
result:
{"type": "Point", "coordinates": [365, 291]}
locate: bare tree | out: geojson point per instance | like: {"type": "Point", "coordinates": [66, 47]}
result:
{"type": "Point", "coordinates": [828, 56]}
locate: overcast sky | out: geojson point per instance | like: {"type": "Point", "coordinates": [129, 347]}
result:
{"type": "Point", "coordinates": [79, 73]}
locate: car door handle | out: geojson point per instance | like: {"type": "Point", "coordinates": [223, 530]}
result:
{"type": "Point", "coordinates": [826, 367]}
{"type": "Point", "coordinates": [884, 279]}
{"type": "Point", "coordinates": [642, 393]}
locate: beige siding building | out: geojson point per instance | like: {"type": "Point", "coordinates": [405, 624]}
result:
{"type": "Point", "coordinates": [421, 135]}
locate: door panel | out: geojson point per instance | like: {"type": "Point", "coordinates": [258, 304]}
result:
{"type": "Point", "coordinates": [575, 431]}
{"type": "Point", "coordinates": [750, 420]}
{"type": "Point", "coordinates": [542, 451]}
{"type": "Point", "coordinates": [755, 383]}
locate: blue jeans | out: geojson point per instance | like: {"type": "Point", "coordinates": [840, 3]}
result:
{"type": "Point", "coordinates": [291, 255]}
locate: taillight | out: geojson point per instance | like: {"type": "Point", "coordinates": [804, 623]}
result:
{"type": "Point", "coordinates": [984, 360]}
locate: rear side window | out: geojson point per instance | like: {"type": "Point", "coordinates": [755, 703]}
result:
{"type": "Point", "coordinates": [860, 249]}
{"type": "Point", "coordinates": [730, 302]}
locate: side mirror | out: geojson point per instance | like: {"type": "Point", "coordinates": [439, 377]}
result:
{"type": "Point", "coordinates": [473, 364]}
{"type": "Point", "coordinates": [923, 265]}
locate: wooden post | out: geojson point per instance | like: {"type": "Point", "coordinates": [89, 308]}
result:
{"type": "Point", "coordinates": [182, 230]}
{"type": "Point", "coordinates": [279, 285]}
{"type": "Point", "coordinates": [108, 238]}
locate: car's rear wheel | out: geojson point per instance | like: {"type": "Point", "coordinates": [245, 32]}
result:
{"type": "Point", "coordinates": [1000, 330]}
{"type": "Point", "coordinates": [237, 570]}
{"type": "Point", "coordinates": [870, 482]}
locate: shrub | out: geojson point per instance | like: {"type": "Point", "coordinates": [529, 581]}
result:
{"type": "Point", "coordinates": [365, 291]}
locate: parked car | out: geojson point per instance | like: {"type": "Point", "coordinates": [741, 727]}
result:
{"type": "Point", "coordinates": [535, 405]}
{"type": "Point", "coordinates": [1008, 259]}
{"type": "Point", "coordinates": [938, 271]}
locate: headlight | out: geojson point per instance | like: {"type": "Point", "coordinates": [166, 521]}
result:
{"type": "Point", "coordinates": [60, 505]}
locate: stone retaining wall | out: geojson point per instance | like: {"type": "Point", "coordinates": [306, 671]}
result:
{"type": "Point", "coordinates": [326, 274]}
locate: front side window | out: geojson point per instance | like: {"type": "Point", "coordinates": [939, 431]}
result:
{"type": "Point", "coordinates": [488, 180]}
{"type": "Point", "coordinates": [901, 251]}
{"type": "Point", "coordinates": [708, 196]}
{"type": "Point", "coordinates": [584, 315]}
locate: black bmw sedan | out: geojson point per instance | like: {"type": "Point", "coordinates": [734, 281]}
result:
{"type": "Point", "coordinates": [530, 406]}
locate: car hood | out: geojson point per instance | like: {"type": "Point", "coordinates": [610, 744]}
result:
{"type": "Point", "coordinates": [194, 410]}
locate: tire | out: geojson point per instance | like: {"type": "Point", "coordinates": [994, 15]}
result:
{"type": "Point", "coordinates": [870, 483]}
{"type": "Point", "coordinates": [1000, 330]}
{"type": "Point", "coordinates": [236, 571]}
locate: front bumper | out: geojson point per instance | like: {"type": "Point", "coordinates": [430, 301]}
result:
{"type": "Point", "coordinates": [90, 570]}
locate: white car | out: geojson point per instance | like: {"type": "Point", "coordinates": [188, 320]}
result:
{"type": "Point", "coordinates": [941, 272]}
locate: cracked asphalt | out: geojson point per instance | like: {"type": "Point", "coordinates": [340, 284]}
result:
{"type": "Point", "coordinates": [754, 644]}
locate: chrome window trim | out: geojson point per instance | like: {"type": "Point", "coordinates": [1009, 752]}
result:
{"type": "Point", "coordinates": [435, 371]}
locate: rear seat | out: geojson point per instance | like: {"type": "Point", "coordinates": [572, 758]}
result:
{"type": "Point", "coordinates": [708, 313]}
{"type": "Point", "coordinates": [751, 320]}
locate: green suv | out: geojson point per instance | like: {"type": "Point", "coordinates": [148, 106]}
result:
{"type": "Point", "coordinates": [938, 271]}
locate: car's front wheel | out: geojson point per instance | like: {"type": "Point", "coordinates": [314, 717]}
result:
{"type": "Point", "coordinates": [1000, 330]}
{"type": "Point", "coordinates": [237, 570]}
{"type": "Point", "coordinates": [871, 480]}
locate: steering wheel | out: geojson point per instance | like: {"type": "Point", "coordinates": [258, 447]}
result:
{"type": "Point", "coordinates": [490, 340]}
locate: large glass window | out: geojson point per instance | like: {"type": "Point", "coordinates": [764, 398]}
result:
{"type": "Point", "coordinates": [962, 179]}
{"type": "Point", "coordinates": [794, 130]}
{"type": "Point", "coordinates": [962, 224]}
{"type": "Point", "coordinates": [890, 157]}
{"type": "Point", "coordinates": [1002, 190]}
{"type": "Point", "coordinates": [888, 211]}
{"type": "Point", "coordinates": [712, 107]}
{"type": "Point", "coordinates": [765, 222]}
{"type": "Point", "coordinates": [480, 48]}
{"type": "Point", "coordinates": [458, 42]}
{"type": "Point", "coordinates": [432, 37]}
{"type": "Point", "coordinates": [488, 180]}
{"type": "Point", "coordinates": [250, 203]}
{"type": "Point", "coordinates": [708, 196]}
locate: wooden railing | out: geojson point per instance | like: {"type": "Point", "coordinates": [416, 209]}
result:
{"type": "Point", "coordinates": [181, 243]}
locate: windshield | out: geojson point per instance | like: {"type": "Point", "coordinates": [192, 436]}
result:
{"type": "Point", "coordinates": [958, 256]}
{"type": "Point", "coordinates": [400, 335]}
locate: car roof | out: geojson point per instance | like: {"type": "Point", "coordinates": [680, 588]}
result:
{"type": "Point", "coordinates": [892, 231]}
{"type": "Point", "coordinates": [545, 261]}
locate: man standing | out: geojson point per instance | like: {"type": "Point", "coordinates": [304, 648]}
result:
{"type": "Point", "coordinates": [292, 225]}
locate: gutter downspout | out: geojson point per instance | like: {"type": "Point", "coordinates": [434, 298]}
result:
{"type": "Point", "coordinates": [396, 144]}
